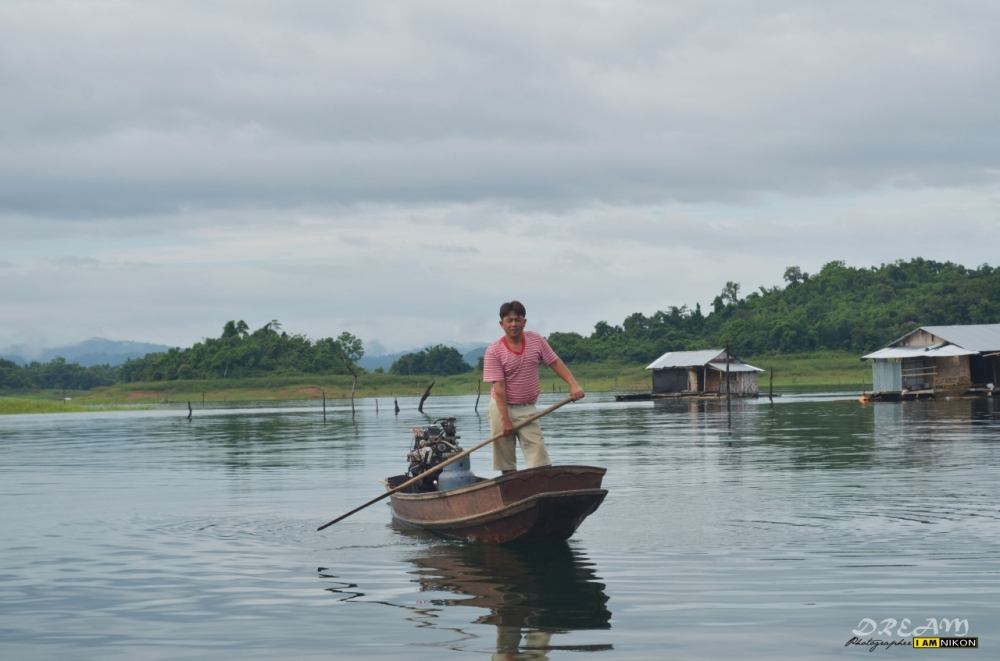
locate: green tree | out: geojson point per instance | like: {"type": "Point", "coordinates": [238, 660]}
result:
{"type": "Point", "coordinates": [839, 308]}
{"type": "Point", "coordinates": [240, 353]}
{"type": "Point", "coordinates": [437, 360]}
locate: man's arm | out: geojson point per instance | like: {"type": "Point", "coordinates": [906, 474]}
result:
{"type": "Point", "coordinates": [500, 396]}
{"type": "Point", "coordinates": [575, 391]}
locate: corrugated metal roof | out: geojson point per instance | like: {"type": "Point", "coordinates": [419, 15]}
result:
{"type": "Point", "coordinates": [974, 337]}
{"type": "Point", "coordinates": [713, 358]}
{"type": "Point", "coordinates": [686, 358]}
{"type": "Point", "coordinates": [734, 367]}
{"type": "Point", "coordinates": [933, 351]}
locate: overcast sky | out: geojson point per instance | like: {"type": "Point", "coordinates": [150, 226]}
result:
{"type": "Point", "coordinates": [399, 169]}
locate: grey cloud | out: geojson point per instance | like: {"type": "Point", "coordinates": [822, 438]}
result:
{"type": "Point", "coordinates": [141, 108]}
{"type": "Point", "coordinates": [167, 166]}
{"type": "Point", "coordinates": [600, 263]}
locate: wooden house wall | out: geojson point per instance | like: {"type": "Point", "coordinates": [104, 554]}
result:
{"type": "Point", "coordinates": [953, 374]}
{"type": "Point", "coordinates": [670, 380]}
{"type": "Point", "coordinates": [698, 379]}
{"type": "Point", "coordinates": [920, 338]}
{"type": "Point", "coordinates": [747, 384]}
{"type": "Point", "coordinates": [740, 383]}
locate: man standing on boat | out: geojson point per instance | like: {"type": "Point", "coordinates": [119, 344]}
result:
{"type": "Point", "coordinates": [511, 365]}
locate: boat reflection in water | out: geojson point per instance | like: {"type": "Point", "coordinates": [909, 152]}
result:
{"type": "Point", "coordinates": [531, 592]}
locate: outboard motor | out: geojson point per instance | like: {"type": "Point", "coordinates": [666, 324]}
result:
{"type": "Point", "coordinates": [433, 445]}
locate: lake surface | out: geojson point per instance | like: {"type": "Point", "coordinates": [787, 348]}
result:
{"type": "Point", "coordinates": [775, 531]}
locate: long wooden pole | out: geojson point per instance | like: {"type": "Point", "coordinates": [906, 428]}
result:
{"type": "Point", "coordinates": [452, 460]}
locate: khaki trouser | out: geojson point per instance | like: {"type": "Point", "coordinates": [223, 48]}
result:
{"type": "Point", "coordinates": [530, 437]}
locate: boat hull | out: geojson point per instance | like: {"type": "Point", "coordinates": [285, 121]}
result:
{"type": "Point", "coordinates": [538, 503]}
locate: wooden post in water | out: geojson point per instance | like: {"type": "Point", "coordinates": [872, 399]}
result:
{"type": "Point", "coordinates": [729, 395]}
{"type": "Point", "coordinates": [324, 404]}
{"type": "Point", "coordinates": [426, 394]}
{"type": "Point", "coordinates": [396, 403]}
{"type": "Point", "coordinates": [479, 392]}
{"type": "Point", "coordinates": [354, 385]}
{"type": "Point", "coordinates": [770, 386]}
{"type": "Point", "coordinates": [376, 407]}
{"type": "Point", "coordinates": [202, 399]}
{"type": "Point", "coordinates": [189, 409]}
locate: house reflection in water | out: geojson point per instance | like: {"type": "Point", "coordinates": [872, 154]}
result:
{"type": "Point", "coordinates": [531, 593]}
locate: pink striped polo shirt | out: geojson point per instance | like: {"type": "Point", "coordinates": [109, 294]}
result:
{"type": "Point", "coordinates": [518, 371]}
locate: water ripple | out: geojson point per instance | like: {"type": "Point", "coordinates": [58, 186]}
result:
{"type": "Point", "coordinates": [142, 535]}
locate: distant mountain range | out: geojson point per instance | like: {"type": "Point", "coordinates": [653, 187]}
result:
{"type": "Point", "coordinates": [95, 351]}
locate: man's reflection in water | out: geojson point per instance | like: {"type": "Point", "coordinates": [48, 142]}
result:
{"type": "Point", "coordinates": [531, 592]}
{"type": "Point", "coordinates": [509, 644]}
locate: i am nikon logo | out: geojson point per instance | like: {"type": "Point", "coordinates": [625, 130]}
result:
{"type": "Point", "coordinates": [941, 642]}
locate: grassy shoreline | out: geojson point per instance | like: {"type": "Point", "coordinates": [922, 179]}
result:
{"type": "Point", "coordinates": [834, 369]}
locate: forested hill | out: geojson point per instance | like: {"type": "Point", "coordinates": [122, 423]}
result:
{"type": "Point", "coordinates": [241, 353]}
{"type": "Point", "coordinates": [839, 308]}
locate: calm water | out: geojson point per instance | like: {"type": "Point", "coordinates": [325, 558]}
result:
{"type": "Point", "coordinates": [771, 533]}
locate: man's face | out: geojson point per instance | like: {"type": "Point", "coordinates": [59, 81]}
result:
{"type": "Point", "coordinates": [512, 325]}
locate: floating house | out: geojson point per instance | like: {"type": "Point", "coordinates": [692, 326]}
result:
{"type": "Point", "coordinates": [953, 360]}
{"type": "Point", "coordinates": [683, 373]}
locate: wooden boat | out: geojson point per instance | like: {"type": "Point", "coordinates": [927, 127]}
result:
{"type": "Point", "coordinates": [537, 503]}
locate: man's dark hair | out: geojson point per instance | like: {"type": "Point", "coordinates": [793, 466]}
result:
{"type": "Point", "coordinates": [517, 307]}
